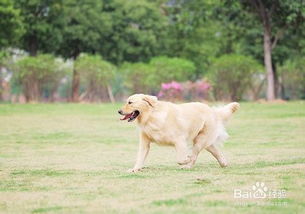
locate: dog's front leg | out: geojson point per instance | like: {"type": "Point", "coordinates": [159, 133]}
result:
{"type": "Point", "coordinates": [144, 146]}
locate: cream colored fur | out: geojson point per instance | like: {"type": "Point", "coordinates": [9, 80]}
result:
{"type": "Point", "coordinates": [166, 123]}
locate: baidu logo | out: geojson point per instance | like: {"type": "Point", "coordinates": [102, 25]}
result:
{"type": "Point", "coordinates": [259, 191]}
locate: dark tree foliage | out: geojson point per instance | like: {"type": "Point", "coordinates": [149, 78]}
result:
{"type": "Point", "coordinates": [10, 24]}
{"type": "Point", "coordinates": [43, 22]}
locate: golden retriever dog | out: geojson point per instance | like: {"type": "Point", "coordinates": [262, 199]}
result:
{"type": "Point", "coordinates": [166, 123]}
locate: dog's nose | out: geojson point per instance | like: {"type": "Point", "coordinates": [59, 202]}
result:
{"type": "Point", "coordinates": [120, 111]}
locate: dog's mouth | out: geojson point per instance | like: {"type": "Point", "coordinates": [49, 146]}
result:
{"type": "Point", "coordinates": [131, 117]}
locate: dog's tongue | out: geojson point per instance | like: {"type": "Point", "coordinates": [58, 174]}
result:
{"type": "Point", "coordinates": [127, 116]}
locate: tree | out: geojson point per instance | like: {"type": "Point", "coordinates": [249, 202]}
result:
{"type": "Point", "coordinates": [85, 27]}
{"type": "Point", "coordinates": [37, 73]}
{"type": "Point", "coordinates": [118, 30]}
{"type": "Point", "coordinates": [276, 17]}
{"type": "Point", "coordinates": [2, 62]}
{"type": "Point", "coordinates": [10, 24]}
{"type": "Point", "coordinates": [203, 30]}
{"type": "Point", "coordinates": [43, 23]}
{"type": "Point", "coordinates": [65, 27]}
{"type": "Point", "coordinates": [194, 34]}
{"type": "Point", "coordinates": [138, 31]}
{"type": "Point", "coordinates": [232, 75]}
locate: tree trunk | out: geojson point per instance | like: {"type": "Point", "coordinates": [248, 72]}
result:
{"type": "Point", "coordinates": [31, 91]}
{"type": "Point", "coordinates": [75, 81]}
{"type": "Point", "coordinates": [268, 62]}
{"type": "Point", "coordinates": [110, 94]}
{"type": "Point", "coordinates": [264, 14]}
{"type": "Point", "coordinates": [276, 82]}
{"type": "Point", "coordinates": [33, 46]}
{"type": "Point", "coordinates": [1, 89]}
{"type": "Point", "coordinates": [75, 86]}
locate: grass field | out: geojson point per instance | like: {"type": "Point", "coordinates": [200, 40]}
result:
{"type": "Point", "coordinates": [69, 158]}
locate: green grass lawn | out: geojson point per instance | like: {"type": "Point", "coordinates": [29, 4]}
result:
{"type": "Point", "coordinates": [69, 158]}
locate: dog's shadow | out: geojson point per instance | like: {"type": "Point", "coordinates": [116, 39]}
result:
{"type": "Point", "coordinates": [160, 170]}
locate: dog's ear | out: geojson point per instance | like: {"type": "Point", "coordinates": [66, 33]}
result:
{"type": "Point", "coordinates": [151, 100]}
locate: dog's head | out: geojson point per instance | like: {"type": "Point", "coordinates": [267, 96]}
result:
{"type": "Point", "coordinates": [137, 105]}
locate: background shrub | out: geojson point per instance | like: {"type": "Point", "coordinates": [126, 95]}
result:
{"type": "Point", "coordinates": [137, 76]}
{"type": "Point", "coordinates": [38, 75]}
{"type": "Point", "coordinates": [96, 75]}
{"type": "Point", "coordinates": [232, 75]}
{"type": "Point", "coordinates": [171, 69]}
{"type": "Point", "coordinates": [293, 78]}
{"type": "Point", "coordinates": [148, 77]}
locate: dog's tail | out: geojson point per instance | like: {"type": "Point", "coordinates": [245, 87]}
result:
{"type": "Point", "coordinates": [226, 111]}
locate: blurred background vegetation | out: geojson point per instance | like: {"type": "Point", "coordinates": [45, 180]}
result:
{"type": "Point", "coordinates": [104, 50]}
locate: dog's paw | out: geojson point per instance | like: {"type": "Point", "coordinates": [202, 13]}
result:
{"type": "Point", "coordinates": [187, 166]}
{"type": "Point", "coordinates": [186, 161]}
{"type": "Point", "coordinates": [134, 170]}
{"type": "Point", "coordinates": [223, 164]}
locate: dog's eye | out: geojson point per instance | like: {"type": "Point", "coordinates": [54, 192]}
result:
{"type": "Point", "coordinates": [129, 102]}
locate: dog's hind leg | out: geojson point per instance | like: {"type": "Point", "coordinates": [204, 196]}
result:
{"type": "Point", "coordinates": [182, 152]}
{"type": "Point", "coordinates": [200, 142]}
{"type": "Point", "coordinates": [218, 155]}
